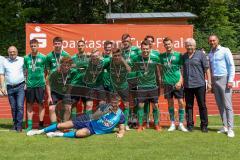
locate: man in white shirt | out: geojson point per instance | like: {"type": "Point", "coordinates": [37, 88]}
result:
{"type": "Point", "coordinates": [1, 62]}
{"type": "Point", "coordinates": [11, 72]}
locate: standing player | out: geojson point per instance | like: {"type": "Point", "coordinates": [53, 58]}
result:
{"type": "Point", "coordinates": [146, 64]}
{"type": "Point", "coordinates": [103, 121]}
{"type": "Point", "coordinates": [119, 70]}
{"type": "Point", "coordinates": [54, 57]}
{"type": "Point", "coordinates": [59, 88]}
{"type": "Point", "coordinates": [107, 53]}
{"type": "Point", "coordinates": [80, 62]}
{"type": "Point", "coordinates": [150, 38]}
{"type": "Point", "coordinates": [34, 65]}
{"type": "Point", "coordinates": [171, 62]}
{"type": "Point", "coordinates": [53, 60]}
{"type": "Point", "coordinates": [93, 78]}
{"type": "Point", "coordinates": [128, 51]}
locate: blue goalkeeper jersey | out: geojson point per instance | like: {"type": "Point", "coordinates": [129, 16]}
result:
{"type": "Point", "coordinates": [107, 122]}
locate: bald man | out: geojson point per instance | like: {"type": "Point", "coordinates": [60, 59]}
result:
{"type": "Point", "coordinates": [11, 72]}
{"type": "Point", "coordinates": [223, 72]}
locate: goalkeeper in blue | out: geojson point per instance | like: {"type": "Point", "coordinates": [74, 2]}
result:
{"type": "Point", "coordinates": [103, 121]}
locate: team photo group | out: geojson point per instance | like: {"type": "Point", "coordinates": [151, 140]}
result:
{"type": "Point", "coordinates": [116, 84]}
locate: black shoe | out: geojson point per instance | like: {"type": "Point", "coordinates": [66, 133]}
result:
{"type": "Point", "coordinates": [13, 129]}
{"type": "Point", "coordinates": [204, 129]}
{"type": "Point", "coordinates": [19, 130]}
{"type": "Point", "coordinates": [190, 129]}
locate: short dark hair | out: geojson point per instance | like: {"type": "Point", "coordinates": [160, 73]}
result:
{"type": "Point", "coordinates": [213, 35]}
{"type": "Point", "coordinates": [57, 39]}
{"type": "Point", "coordinates": [81, 41]}
{"type": "Point", "coordinates": [149, 36]}
{"type": "Point", "coordinates": [107, 43]}
{"type": "Point", "coordinates": [94, 50]}
{"type": "Point", "coordinates": [145, 42]}
{"type": "Point", "coordinates": [34, 41]}
{"type": "Point", "coordinates": [125, 36]}
{"type": "Point", "coordinates": [116, 50]}
{"type": "Point", "coordinates": [167, 39]}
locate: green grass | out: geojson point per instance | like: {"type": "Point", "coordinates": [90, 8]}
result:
{"type": "Point", "coordinates": [146, 145]}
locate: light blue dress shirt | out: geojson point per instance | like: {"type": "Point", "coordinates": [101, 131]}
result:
{"type": "Point", "coordinates": [12, 70]}
{"type": "Point", "coordinates": [1, 60]}
{"type": "Point", "coordinates": [222, 63]}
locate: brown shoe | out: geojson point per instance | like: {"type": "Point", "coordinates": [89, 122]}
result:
{"type": "Point", "coordinates": [157, 128]}
{"type": "Point", "coordinates": [140, 129]}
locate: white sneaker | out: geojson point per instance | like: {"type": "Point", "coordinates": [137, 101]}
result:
{"type": "Point", "coordinates": [182, 128]}
{"type": "Point", "coordinates": [223, 130]}
{"type": "Point", "coordinates": [54, 134]}
{"type": "Point", "coordinates": [127, 128]}
{"type": "Point", "coordinates": [172, 127]}
{"type": "Point", "coordinates": [34, 132]}
{"type": "Point", "coordinates": [230, 133]}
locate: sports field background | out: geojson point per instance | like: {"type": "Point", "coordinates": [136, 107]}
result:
{"type": "Point", "coordinates": [148, 144]}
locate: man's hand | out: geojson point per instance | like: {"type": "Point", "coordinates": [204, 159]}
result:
{"type": "Point", "coordinates": [50, 101]}
{"type": "Point", "coordinates": [209, 87]}
{"type": "Point", "coordinates": [121, 131]}
{"type": "Point", "coordinates": [229, 85]}
{"type": "Point", "coordinates": [3, 90]}
{"type": "Point", "coordinates": [119, 135]}
{"type": "Point", "coordinates": [178, 85]}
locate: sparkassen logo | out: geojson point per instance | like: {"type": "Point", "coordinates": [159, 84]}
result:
{"type": "Point", "coordinates": [41, 37]}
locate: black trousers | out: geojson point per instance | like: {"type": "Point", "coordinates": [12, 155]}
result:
{"type": "Point", "coordinates": [200, 94]}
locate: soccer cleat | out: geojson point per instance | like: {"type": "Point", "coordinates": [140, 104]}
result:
{"type": "Point", "coordinates": [157, 128]}
{"type": "Point", "coordinates": [34, 132]}
{"type": "Point", "coordinates": [127, 128]}
{"type": "Point", "coordinates": [54, 134]}
{"type": "Point", "coordinates": [223, 130]}
{"type": "Point", "coordinates": [28, 129]}
{"type": "Point", "coordinates": [182, 128]}
{"type": "Point", "coordinates": [172, 127]}
{"type": "Point", "coordinates": [204, 129]}
{"type": "Point", "coordinates": [230, 133]}
{"type": "Point", "coordinates": [140, 129]}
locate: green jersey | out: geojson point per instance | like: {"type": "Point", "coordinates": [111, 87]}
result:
{"type": "Point", "coordinates": [118, 76]}
{"type": "Point", "coordinates": [171, 63]}
{"type": "Point", "coordinates": [146, 70]}
{"type": "Point", "coordinates": [53, 60]}
{"type": "Point", "coordinates": [156, 52]}
{"type": "Point", "coordinates": [128, 55]}
{"type": "Point", "coordinates": [106, 74]}
{"type": "Point", "coordinates": [94, 73]}
{"type": "Point", "coordinates": [81, 62]}
{"type": "Point", "coordinates": [35, 67]}
{"type": "Point", "coordinates": [60, 82]}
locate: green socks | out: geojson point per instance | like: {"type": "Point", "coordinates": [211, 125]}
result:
{"type": "Point", "coordinates": [140, 115]}
{"type": "Point", "coordinates": [53, 123]}
{"type": "Point", "coordinates": [30, 123]}
{"type": "Point", "coordinates": [181, 115]}
{"type": "Point", "coordinates": [88, 112]}
{"type": "Point", "coordinates": [147, 110]}
{"type": "Point", "coordinates": [156, 116]}
{"type": "Point", "coordinates": [171, 113]}
{"type": "Point", "coordinates": [126, 115]}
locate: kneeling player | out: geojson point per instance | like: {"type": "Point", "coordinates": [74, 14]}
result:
{"type": "Point", "coordinates": [102, 121]}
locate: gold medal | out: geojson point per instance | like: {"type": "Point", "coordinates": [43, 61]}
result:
{"type": "Point", "coordinates": [64, 88]}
